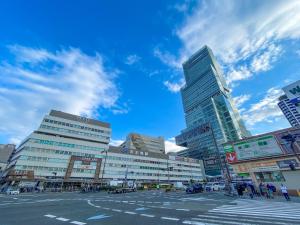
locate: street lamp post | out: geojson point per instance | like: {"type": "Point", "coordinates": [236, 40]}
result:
{"type": "Point", "coordinates": [227, 174]}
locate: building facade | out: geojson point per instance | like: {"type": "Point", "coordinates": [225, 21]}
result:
{"type": "Point", "coordinates": [5, 152]}
{"type": "Point", "coordinates": [151, 167]}
{"type": "Point", "coordinates": [290, 103]}
{"type": "Point", "coordinates": [61, 148]}
{"type": "Point", "coordinates": [210, 114]}
{"type": "Point", "coordinates": [144, 143]}
{"type": "Point", "coordinates": [268, 158]}
{"type": "Point", "coordinates": [70, 151]}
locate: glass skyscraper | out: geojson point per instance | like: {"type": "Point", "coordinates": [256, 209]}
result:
{"type": "Point", "coordinates": [210, 114]}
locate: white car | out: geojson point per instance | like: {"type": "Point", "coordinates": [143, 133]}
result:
{"type": "Point", "coordinates": [222, 186]}
{"type": "Point", "coordinates": [12, 192]}
{"type": "Point", "coordinates": [214, 186]}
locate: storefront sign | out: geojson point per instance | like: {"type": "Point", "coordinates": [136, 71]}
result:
{"type": "Point", "coordinates": [252, 148]}
{"type": "Point", "coordinates": [287, 163]}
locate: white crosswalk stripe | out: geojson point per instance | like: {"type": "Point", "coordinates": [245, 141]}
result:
{"type": "Point", "coordinates": [249, 211]}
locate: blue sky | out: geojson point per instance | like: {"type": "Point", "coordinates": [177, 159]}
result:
{"type": "Point", "coordinates": [120, 61]}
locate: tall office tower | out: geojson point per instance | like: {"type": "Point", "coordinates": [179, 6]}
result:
{"type": "Point", "coordinates": [65, 147]}
{"type": "Point", "coordinates": [144, 143]}
{"type": "Point", "coordinates": [210, 115]}
{"type": "Point", "coordinates": [290, 103]}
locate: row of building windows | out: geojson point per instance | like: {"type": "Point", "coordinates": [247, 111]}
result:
{"type": "Point", "coordinates": [155, 175]}
{"type": "Point", "coordinates": [150, 161]}
{"type": "Point", "coordinates": [47, 169]}
{"type": "Point", "coordinates": [73, 131]}
{"type": "Point", "coordinates": [116, 165]}
{"type": "Point", "coordinates": [61, 152]}
{"type": "Point", "coordinates": [75, 126]}
{"type": "Point", "coordinates": [43, 159]}
{"type": "Point", "coordinates": [63, 144]}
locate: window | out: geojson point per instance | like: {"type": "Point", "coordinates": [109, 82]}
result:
{"type": "Point", "coordinates": [275, 176]}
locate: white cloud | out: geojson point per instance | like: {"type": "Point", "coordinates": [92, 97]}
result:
{"type": "Point", "coordinates": [174, 86]}
{"type": "Point", "coordinates": [241, 73]}
{"type": "Point", "coordinates": [242, 35]}
{"type": "Point", "coordinates": [240, 100]}
{"type": "Point", "coordinates": [132, 59]}
{"type": "Point", "coordinates": [40, 80]}
{"type": "Point", "coordinates": [168, 59]}
{"type": "Point", "coordinates": [170, 146]}
{"type": "Point", "coordinates": [116, 142]}
{"type": "Point", "coordinates": [265, 110]}
{"type": "Point", "coordinates": [237, 29]}
{"type": "Point", "coordinates": [263, 61]}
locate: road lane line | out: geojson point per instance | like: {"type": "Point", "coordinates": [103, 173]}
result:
{"type": "Point", "coordinates": [62, 219]}
{"type": "Point", "coordinates": [77, 222]}
{"type": "Point", "coordinates": [183, 210]}
{"type": "Point", "coordinates": [147, 215]}
{"type": "Point", "coordinates": [131, 213]}
{"type": "Point", "coordinates": [106, 208]}
{"type": "Point", "coordinates": [50, 216]}
{"type": "Point", "coordinates": [196, 223]}
{"type": "Point", "coordinates": [169, 218]}
{"type": "Point", "coordinates": [116, 210]}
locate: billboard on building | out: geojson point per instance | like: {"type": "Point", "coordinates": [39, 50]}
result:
{"type": "Point", "coordinates": [261, 146]}
{"type": "Point", "coordinates": [292, 91]}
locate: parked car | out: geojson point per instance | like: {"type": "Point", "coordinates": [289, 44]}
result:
{"type": "Point", "coordinates": [194, 188]}
{"type": "Point", "coordinates": [221, 186]}
{"type": "Point", "coordinates": [11, 191]}
{"type": "Point", "coordinates": [214, 186]}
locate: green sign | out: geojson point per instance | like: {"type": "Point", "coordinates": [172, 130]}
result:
{"type": "Point", "coordinates": [228, 148]}
{"type": "Point", "coordinates": [257, 147]}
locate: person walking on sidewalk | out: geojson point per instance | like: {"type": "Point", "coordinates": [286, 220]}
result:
{"type": "Point", "coordinates": [285, 192]}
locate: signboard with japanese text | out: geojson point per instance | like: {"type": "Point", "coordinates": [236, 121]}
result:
{"type": "Point", "coordinates": [252, 148]}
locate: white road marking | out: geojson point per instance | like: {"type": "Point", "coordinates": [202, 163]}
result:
{"type": "Point", "coordinates": [169, 218]}
{"type": "Point", "coordinates": [183, 210]}
{"type": "Point", "coordinates": [128, 212]}
{"type": "Point", "coordinates": [222, 218]}
{"type": "Point", "coordinates": [62, 219]}
{"type": "Point", "coordinates": [77, 223]}
{"type": "Point", "coordinates": [116, 210]}
{"type": "Point", "coordinates": [50, 216]}
{"type": "Point", "coordinates": [147, 215]}
{"type": "Point", "coordinates": [247, 216]}
{"type": "Point", "coordinates": [106, 208]}
{"type": "Point", "coordinates": [218, 221]}
{"type": "Point", "coordinates": [197, 223]}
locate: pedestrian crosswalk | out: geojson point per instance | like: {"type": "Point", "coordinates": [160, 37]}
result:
{"type": "Point", "coordinates": [247, 211]}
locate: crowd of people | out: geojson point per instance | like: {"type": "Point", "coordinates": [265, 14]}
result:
{"type": "Point", "coordinates": [263, 190]}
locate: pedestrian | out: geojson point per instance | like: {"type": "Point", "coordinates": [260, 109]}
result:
{"type": "Point", "coordinates": [285, 192]}
{"type": "Point", "coordinates": [249, 190]}
{"type": "Point", "coordinates": [270, 190]}
{"type": "Point", "coordinates": [240, 190]}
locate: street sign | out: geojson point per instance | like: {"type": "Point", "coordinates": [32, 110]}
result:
{"type": "Point", "coordinates": [231, 157]}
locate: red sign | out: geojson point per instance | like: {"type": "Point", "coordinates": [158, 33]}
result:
{"type": "Point", "coordinates": [231, 157]}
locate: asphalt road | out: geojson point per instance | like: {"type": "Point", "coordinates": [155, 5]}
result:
{"type": "Point", "coordinates": [144, 208]}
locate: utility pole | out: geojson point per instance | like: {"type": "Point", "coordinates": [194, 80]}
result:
{"type": "Point", "coordinates": [104, 165]}
{"type": "Point", "coordinates": [227, 174]}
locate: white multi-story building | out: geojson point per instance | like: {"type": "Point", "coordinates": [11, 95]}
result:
{"type": "Point", "coordinates": [57, 147]}
{"type": "Point", "coordinates": [146, 166]}
{"type": "Point", "coordinates": [144, 143]}
{"type": "Point", "coordinates": [70, 150]}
